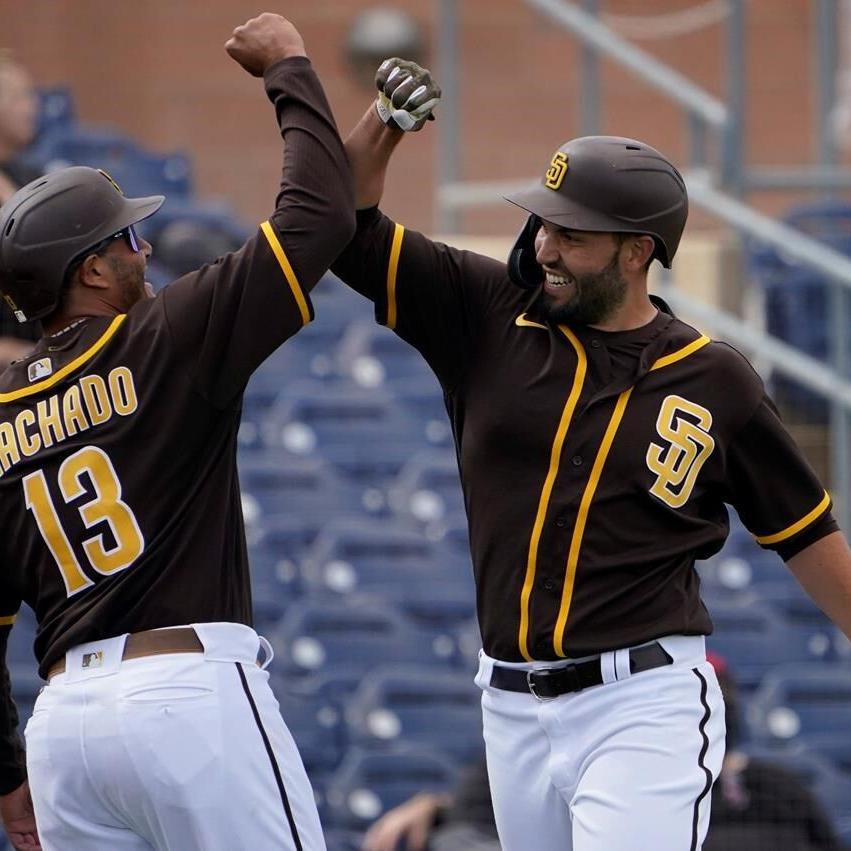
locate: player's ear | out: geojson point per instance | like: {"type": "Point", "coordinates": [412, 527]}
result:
{"type": "Point", "coordinates": [94, 272]}
{"type": "Point", "coordinates": [636, 252]}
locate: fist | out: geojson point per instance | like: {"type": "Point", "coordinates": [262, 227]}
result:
{"type": "Point", "coordinates": [262, 41]}
{"type": "Point", "coordinates": [407, 94]}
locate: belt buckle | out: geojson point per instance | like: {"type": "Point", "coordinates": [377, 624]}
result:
{"type": "Point", "coordinates": [529, 682]}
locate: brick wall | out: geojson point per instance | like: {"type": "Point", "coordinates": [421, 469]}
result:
{"type": "Point", "coordinates": [158, 70]}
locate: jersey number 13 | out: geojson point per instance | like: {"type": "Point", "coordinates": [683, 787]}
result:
{"type": "Point", "coordinates": [107, 506]}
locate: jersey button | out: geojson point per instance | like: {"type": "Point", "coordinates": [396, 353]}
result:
{"type": "Point", "coordinates": [576, 460]}
{"type": "Point", "coordinates": [561, 522]}
{"type": "Point", "coordinates": [595, 344]}
{"type": "Point", "coordinates": [549, 584]}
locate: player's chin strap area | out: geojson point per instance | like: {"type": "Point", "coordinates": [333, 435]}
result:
{"type": "Point", "coordinates": [549, 683]}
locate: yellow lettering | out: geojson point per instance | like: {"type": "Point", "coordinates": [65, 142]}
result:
{"type": "Point", "coordinates": [123, 391]}
{"type": "Point", "coordinates": [72, 411]}
{"type": "Point", "coordinates": [9, 452]}
{"type": "Point", "coordinates": [50, 420]}
{"type": "Point", "coordinates": [29, 445]}
{"type": "Point", "coordinates": [96, 397]}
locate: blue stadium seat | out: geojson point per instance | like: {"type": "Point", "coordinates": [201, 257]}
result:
{"type": "Point", "coordinates": [372, 355]}
{"type": "Point", "coordinates": [280, 483]}
{"type": "Point", "coordinates": [802, 617]}
{"type": "Point", "coordinates": [436, 710]}
{"type": "Point", "coordinates": [386, 561]}
{"type": "Point", "coordinates": [802, 702]}
{"type": "Point", "coordinates": [277, 547]}
{"type": "Point", "coordinates": [355, 635]}
{"type": "Point", "coordinates": [56, 110]}
{"type": "Point", "coordinates": [423, 398]}
{"type": "Point", "coordinates": [319, 734]}
{"type": "Point", "coordinates": [343, 840]}
{"type": "Point", "coordinates": [754, 641]}
{"type": "Point", "coordinates": [368, 784]}
{"type": "Point", "coordinates": [797, 300]}
{"type": "Point", "coordinates": [137, 172]}
{"type": "Point", "coordinates": [19, 648]}
{"type": "Point", "coordinates": [332, 414]}
{"type": "Point", "coordinates": [428, 488]}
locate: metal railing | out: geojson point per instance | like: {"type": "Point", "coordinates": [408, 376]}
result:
{"type": "Point", "coordinates": [704, 113]}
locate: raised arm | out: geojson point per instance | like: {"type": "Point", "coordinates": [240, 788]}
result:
{"type": "Point", "coordinates": [407, 94]}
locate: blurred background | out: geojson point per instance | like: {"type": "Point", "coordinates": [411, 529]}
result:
{"type": "Point", "coordinates": [356, 521]}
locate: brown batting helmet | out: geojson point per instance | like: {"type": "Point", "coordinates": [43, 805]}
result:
{"type": "Point", "coordinates": [605, 184]}
{"type": "Point", "coordinates": [53, 221]}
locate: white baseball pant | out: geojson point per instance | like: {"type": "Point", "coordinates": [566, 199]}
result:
{"type": "Point", "coordinates": [173, 752]}
{"type": "Point", "coordinates": [621, 766]}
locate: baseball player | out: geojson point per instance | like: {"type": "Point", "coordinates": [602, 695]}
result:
{"type": "Point", "coordinates": [598, 440]}
{"type": "Point", "coordinates": [120, 508]}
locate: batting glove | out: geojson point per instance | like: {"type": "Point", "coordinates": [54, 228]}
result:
{"type": "Point", "coordinates": [406, 94]}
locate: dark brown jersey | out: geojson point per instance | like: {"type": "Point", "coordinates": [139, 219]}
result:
{"type": "Point", "coordinates": [595, 467]}
{"type": "Point", "coordinates": [119, 497]}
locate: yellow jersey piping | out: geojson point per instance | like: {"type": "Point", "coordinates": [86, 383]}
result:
{"type": "Point", "coordinates": [591, 487]}
{"type": "Point", "coordinates": [392, 269]}
{"type": "Point", "coordinates": [287, 269]}
{"type": "Point", "coordinates": [68, 368]}
{"type": "Point", "coordinates": [546, 491]}
{"type": "Point", "coordinates": [796, 527]}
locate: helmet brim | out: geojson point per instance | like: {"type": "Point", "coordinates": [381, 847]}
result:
{"type": "Point", "coordinates": [138, 209]}
{"type": "Point", "coordinates": [559, 210]}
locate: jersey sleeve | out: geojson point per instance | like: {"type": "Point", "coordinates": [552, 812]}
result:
{"type": "Point", "coordinates": [12, 760]}
{"type": "Point", "coordinates": [433, 296]}
{"type": "Point", "coordinates": [226, 318]}
{"type": "Point", "coordinates": [774, 489]}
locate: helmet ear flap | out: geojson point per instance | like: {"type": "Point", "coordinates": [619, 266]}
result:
{"type": "Point", "coordinates": [523, 268]}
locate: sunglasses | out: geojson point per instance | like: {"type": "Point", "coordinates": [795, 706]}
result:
{"type": "Point", "coordinates": [129, 234]}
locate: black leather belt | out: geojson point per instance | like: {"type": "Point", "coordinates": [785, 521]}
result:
{"type": "Point", "coordinates": [548, 683]}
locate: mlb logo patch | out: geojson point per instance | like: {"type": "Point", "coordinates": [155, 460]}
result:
{"type": "Point", "coordinates": [40, 368]}
{"type": "Point", "coordinates": [93, 660]}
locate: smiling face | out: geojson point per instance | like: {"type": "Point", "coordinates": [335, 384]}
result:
{"type": "Point", "coordinates": [583, 280]}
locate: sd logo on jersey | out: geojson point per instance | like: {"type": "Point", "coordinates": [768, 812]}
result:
{"type": "Point", "coordinates": [685, 426]}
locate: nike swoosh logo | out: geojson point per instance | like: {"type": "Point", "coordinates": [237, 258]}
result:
{"type": "Point", "coordinates": [522, 322]}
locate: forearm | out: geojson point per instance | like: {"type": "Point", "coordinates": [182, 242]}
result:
{"type": "Point", "coordinates": [314, 211]}
{"type": "Point", "coordinates": [824, 571]}
{"type": "Point", "coordinates": [369, 148]}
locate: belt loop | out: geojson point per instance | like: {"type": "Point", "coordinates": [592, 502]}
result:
{"type": "Point", "coordinates": [622, 669]}
{"type": "Point", "coordinates": [268, 653]}
{"type": "Point", "coordinates": [607, 667]}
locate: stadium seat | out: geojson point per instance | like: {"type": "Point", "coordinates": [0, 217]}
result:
{"type": "Point", "coordinates": [372, 355]}
{"type": "Point", "coordinates": [368, 784]}
{"type": "Point", "coordinates": [438, 711]}
{"type": "Point", "coordinates": [136, 171]}
{"type": "Point", "coordinates": [802, 702]}
{"type": "Point", "coordinates": [386, 561]}
{"type": "Point", "coordinates": [281, 483]}
{"type": "Point", "coordinates": [423, 398]}
{"type": "Point", "coordinates": [428, 488]}
{"type": "Point", "coordinates": [278, 545]}
{"type": "Point", "coordinates": [56, 111]}
{"type": "Point", "coordinates": [754, 640]}
{"type": "Point", "coordinates": [352, 634]}
{"type": "Point", "coordinates": [319, 734]}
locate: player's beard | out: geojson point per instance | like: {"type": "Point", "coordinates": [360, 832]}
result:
{"type": "Point", "coordinates": [596, 298]}
{"type": "Point", "coordinates": [130, 277]}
